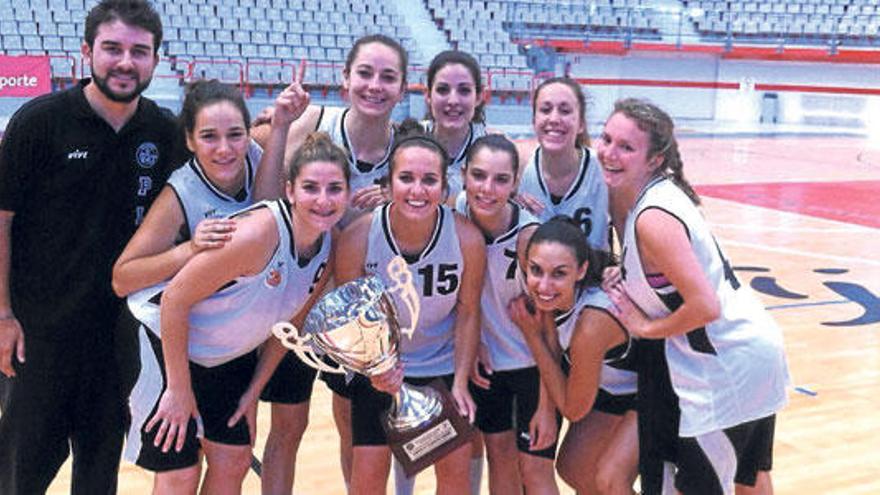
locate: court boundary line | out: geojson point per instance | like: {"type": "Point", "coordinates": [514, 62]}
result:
{"type": "Point", "coordinates": [861, 229]}
{"type": "Point", "coordinates": [808, 254]}
{"type": "Point", "coordinates": [804, 216]}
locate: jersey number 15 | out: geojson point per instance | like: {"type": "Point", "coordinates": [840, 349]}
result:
{"type": "Point", "coordinates": [446, 281]}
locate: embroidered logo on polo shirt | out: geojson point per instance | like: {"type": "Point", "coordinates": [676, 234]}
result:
{"type": "Point", "coordinates": [78, 154]}
{"type": "Point", "coordinates": [147, 155]}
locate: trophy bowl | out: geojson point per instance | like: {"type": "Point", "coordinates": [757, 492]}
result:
{"type": "Point", "coordinates": [357, 325]}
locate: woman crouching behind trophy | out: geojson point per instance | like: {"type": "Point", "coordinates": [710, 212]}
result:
{"type": "Point", "coordinates": [200, 332]}
{"type": "Point", "coordinates": [445, 254]}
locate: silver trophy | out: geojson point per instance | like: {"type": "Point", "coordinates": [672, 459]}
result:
{"type": "Point", "coordinates": [357, 325]}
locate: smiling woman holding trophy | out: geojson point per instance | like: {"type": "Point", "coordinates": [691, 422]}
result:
{"type": "Point", "coordinates": [445, 257]}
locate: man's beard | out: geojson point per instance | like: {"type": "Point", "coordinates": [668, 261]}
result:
{"type": "Point", "coordinates": [101, 84]}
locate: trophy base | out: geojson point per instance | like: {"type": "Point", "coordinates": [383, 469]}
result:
{"type": "Point", "coordinates": [418, 449]}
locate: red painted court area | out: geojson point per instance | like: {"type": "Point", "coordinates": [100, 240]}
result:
{"type": "Point", "coordinates": [850, 201]}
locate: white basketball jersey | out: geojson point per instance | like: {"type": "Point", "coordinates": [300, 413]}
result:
{"type": "Point", "coordinates": [199, 198]}
{"type": "Point", "coordinates": [457, 162]}
{"type": "Point", "coordinates": [239, 317]}
{"type": "Point", "coordinates": [332, 121]}
{"type": "Point", "coordinates": [614, 380]}
{"type": "Point", "coordinates": [436, 274]}
{"type": "Point", "coordinates": [586, 200]}
{"type": "Point", "coordinates": [501, 283]}
{"type": "Point", "coordinates": [731, 371]}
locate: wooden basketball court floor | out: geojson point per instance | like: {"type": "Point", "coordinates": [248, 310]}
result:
{"type": "Point", "coordinates": [799, 217]}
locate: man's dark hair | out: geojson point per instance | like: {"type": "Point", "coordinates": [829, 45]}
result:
{"type": "Point", "coordinates": [138, 13]}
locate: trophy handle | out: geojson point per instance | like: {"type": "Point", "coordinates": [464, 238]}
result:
{"type": "Point", "coordinates": [301, 345]}
{"type": "Point", "coordinates": [403, 284]}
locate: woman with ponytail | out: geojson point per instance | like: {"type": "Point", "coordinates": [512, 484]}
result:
{"type": "Point", "coordinates": [581, 351]}
{"type": "Point", "coordinates": [196, 394]}
{"type": "Point", "coordinates": [373, 82]}
{"type": "Point", "coordinates": [711, 366]}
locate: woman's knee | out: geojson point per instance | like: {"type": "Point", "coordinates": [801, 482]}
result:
{"type": "Point", "coordinates": [182, 481]}
{"type": "Point", "coordinates": [566, 469]}
{"type": "Point", "coordinates": [453, 471]}
{"type": "Point", "coordinates": [613, 476]}
{"type": "Point", "coordinates": [608, 480]}
{"type": "Point", "coordinates": [370, 467]}
{"type": "Point", "coordinates": [289, 422]}
{"type": "Point", "coordinates": [576, 476]}
{"type": "Point", "coordinates": [230, 460]}
{"type": "Point", "coordinates": [536, 471]}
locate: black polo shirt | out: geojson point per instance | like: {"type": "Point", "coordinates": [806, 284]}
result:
{"type": "Point", "coordinates": [78, 189]}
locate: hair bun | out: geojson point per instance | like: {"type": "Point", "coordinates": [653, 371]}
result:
{"type": "Point", "coordinates": [318, 138]}
{"type": "Point", "coordinates": [565, 219]}
{"type": "Point", "coordinates": [410, 127]}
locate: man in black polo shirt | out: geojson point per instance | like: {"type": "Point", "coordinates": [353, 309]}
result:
{"type": "Point", "coordinates": [78, 169]}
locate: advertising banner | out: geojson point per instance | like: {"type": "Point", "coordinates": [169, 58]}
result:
{"type": "Point", "coordinates": [24, 76]}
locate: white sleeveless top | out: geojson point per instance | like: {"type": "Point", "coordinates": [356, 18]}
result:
{"type": "Point", "coordinates": [456, 163]}
{"type": "Point", "coordinates": [436, 274]}
{"type": "Point", "coordinates": [199, 198]}
{"type": "Point", "coordinates": [363, 174]}
{"type": "Point", "coordinates": [238, 318]}
{"type": "Point", "coordinates": [614, 380]}
{"type": "Point", "coordinates": [586, 200]}
{"type": "Point", "coordinates": [502, 282]}
{"type": "Point", "coordinates": [734, 369]}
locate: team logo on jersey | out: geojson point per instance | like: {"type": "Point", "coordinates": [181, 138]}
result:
{"type": "Point", "coordinates": [273, 279]}
{"type": "Point", "coordinates": [147, 155]}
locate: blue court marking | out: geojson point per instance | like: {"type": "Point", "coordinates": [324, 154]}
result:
{"type": "Point", "coordinates": [859, 295]}
{"type": "Point", "coordinates": [768, 285]}
{"type": "Point", "coordinates": [831, 271]}
{"type": "Point", "coordinates": [806, 305]}
{"type": "Point", "coordinates": [806, 391]}
{"type": "Point", "coordinates": [751, 269]}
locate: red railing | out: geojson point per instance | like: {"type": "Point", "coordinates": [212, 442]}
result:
{"type": "Point", "coordinates": [247, 79]}
{"type": "Point", "coordinates": [62, 80]}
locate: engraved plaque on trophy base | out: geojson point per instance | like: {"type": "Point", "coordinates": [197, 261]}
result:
{"type": "Point", "coordinates": [419, 448]}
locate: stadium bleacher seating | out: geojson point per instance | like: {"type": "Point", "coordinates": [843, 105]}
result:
{"type": "Point", "coordinates": [477, 27]}
{"type": "Point", "coordinates": [853, 21]}
{"type": "Point", "coordinates": [262, 42]}
{"type": "Point", "coordinates": [225, 34]}
{"type": "Point", "coordinates": [565, 19]}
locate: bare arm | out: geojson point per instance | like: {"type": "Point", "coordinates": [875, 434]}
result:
{"type": "Point", "coordinates": [348, 263]}
{"type": "Point", "coordinates": [522, 244]}
{"type": "Point", "coordinates": [524, 199]}
{"type": "Point", "coordinates": [273, 351]}
{"type": "Point", "coordinates": [596, 332]}
{"type": "Point", "coordinates": [11, 333]}
{"type": "Point", "coordinates": [540, 334]}
{"type": "Point", "coordinates": [203, 275]}
{"type": "Point", "coordinates": [666, 248]}
{"type": "Point", "coordinates": [293, 121]}
{"type": "Point", "coordinates": [150, 255]}
{"type": "Point", "coordinates": [467, 312]}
